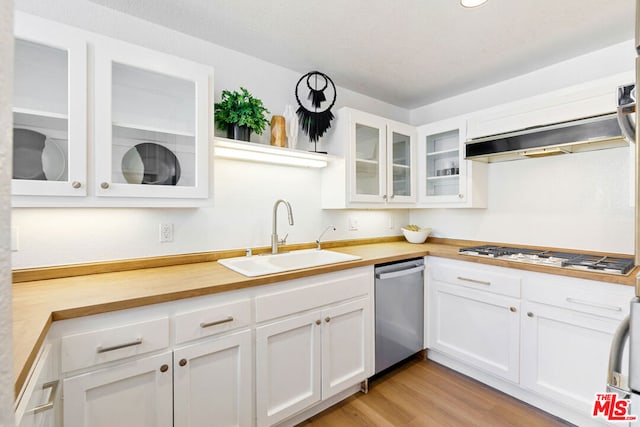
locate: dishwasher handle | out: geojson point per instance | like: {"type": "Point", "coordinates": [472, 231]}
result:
{"type": "Point", "coordinates": [399, 273]}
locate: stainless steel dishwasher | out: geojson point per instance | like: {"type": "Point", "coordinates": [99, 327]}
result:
{"type": "Point", "coordinates": [399, 300]}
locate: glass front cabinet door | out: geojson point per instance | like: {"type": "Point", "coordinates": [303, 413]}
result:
{"type": "Point", "coordinates": [49, 112]}
{"type": "Point", "coordinates": [152, 121]}
{"type": "Point", "coordinates": [446, 178]}
{"type": "Point", "coordinates": [382, 154]}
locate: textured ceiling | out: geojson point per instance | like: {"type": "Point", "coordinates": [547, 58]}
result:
{"type": "Point", "coordinates": [405, 52]}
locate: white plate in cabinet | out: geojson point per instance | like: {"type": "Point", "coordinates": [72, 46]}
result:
{"type": "Point", "coordinates": [106, 345]}
{"type": "Point", "coordinates": [164, 102]}
{"type": "Point", "coordinates": [212, 321]}
{"type": "Point", "coordinates": [50, 100]}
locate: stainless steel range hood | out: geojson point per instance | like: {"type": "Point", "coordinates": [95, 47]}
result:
{"type": "Point", "coordinates": [591, 133]}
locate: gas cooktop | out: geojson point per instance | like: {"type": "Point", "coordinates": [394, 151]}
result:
{"type": "Point", "coordinates": [576, 261]}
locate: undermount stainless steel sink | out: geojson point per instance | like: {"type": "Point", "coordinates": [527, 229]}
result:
{"type": "Point", "coordinates": [260, 265]}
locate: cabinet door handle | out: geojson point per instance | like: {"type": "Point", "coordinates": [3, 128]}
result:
{"type": "Point", "coordinates": [593, 304]}
{"type": "Point", "coordinates": [119, 346]}
{"type": "Point", "coordinates": [164, 368]}
{"type": "Point", "coordinates": [318, 322]}
{"type": "Point", "coordinates": [479, 282]}
{"type": "Point", "coordinates": [182, 362]}
{"type": "Point", "coordinates": [327, 319]}
{"type": "Point", "coordinates": [76, 184]}
{"type": "Point", "coordinates": [216, 322]}
{"type": "Point", "coordinates": [104, 185]}
{"type": "Point", "coordinates": [513, 309]}
{"type": "Point", "coordinates": [53, 385]}
{"type": "Point", "coordinates": [530, 314]}
{"type": "Point", "coordinates": [384, 197]}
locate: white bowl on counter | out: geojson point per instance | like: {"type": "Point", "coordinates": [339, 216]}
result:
{"type": "Point", "coordinates": [416, 236]}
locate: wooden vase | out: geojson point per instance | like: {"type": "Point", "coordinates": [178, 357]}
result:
{"type": "Point", "coordinates": [278, 132]}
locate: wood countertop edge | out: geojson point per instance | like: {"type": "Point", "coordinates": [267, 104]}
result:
{"type": "Point", "coordinates": [444, 248]}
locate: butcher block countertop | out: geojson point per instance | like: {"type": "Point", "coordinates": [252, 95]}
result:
{"type": "Point", "coordinates": [41, 296]}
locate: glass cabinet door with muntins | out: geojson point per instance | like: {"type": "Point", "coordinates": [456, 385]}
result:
{"type": "Point", "coordinates": [151, 125]}
{"type": "Point", "coordinates": [49, 113]}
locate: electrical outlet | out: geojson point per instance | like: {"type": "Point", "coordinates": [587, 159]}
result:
{"type": "Point", "coordinates": [166, 233]}
{"type": "Point", "coordinates": [353, 223]}
{"type": "Point", "coordinates": [15, 243]}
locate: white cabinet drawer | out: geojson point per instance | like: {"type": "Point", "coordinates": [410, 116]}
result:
{"type": "Point", "coordinates": [315, 292]}
{"type": "Point", "coordinates": [212, 320]}
{"type": "Point", "coordinates": [106, 345]}
{"type": "Point", "coordinates": [586, 296]}
{"type": "Point", "coordinates": [484, 278]}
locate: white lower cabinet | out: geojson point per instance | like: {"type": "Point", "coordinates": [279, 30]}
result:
{"type": "Point", "coordinates": [565, 354]}
{"type": "Point", "coordinates": [137, 393]}
{"type": "Point", "coordinates": [550, 341]}
{"type": "Point", "coordinates": [242, 358]}
{"type": "Point", "coordinates": [38, 405]}
{"type": "Point", "coordinates": [288, 369]}
{"type": "Point", "coordinates": [304, 359]}
{"type": "Point", "coordinates": [213, 381]}
{"type": "Point", "coordinates": [479, 328]}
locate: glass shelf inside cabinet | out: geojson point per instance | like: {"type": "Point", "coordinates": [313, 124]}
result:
{"type": "Point", "coordinates": [40, 113]}
{"type": "Point", "coordinates": [443, 163]}
{"type": "Point", "coordinates": [153, 128]}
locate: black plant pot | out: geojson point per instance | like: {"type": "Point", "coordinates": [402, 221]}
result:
{"type": "Point", "coordinates": [241, 133]}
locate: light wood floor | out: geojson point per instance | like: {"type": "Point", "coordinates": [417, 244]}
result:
{"type": "Point", "coordinates": [424, 393]}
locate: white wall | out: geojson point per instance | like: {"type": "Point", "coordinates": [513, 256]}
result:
{"type": "Point", "coordinates": [615, 59]}
{"type": "Point", "coordinates": [6, 328]}
{"type": "Point", "coordinates": [577, 201]}
{"type": "Point", "coordinates": [244, 192]}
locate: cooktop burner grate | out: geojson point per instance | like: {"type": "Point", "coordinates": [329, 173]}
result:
{"type": "Point", "coordinates": [598, 263]}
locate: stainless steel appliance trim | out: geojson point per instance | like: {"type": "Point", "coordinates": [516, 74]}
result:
{"type": "Point", "coordinates": [400, 273]}
{"type": "Point", "coordinates": [615, 380]}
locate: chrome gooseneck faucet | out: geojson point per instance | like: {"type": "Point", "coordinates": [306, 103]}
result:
{"type": "Point", "coordinates": [331, 227]}
{"type": "Point", "coordinates": [274, 233]}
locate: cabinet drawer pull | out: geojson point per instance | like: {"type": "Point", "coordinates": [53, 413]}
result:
{"type": "Point", "coordinates": [119, 346]}
{"type": "Point", "coordinates": [479, 282]}
{"type": "Point", "coordinates": [216, 322]}
{"type": "Point", "coordinates": [53, 385]}
{"type": "Point", "coordinates": [594, 304]}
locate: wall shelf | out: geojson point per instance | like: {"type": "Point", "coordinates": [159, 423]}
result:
{"type": "Point", "coordinates": [261, 153]}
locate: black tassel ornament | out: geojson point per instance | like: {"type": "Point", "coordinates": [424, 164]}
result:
{"type": "Point", "coordinates": [315, 123]}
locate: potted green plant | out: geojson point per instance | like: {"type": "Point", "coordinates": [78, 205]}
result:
{"type": "Point", "coordinates": [240, 113]}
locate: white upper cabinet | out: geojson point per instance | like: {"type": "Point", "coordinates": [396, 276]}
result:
{"type": "Point", "coordinates": [446, 178]}
{"type": "Point", "coordinates": [375, 164]}
{"type": "Point", "coordinates": [49, 111]}
{"type": "Point", "coordinates": [151, 124]}
{"type": "Point", "coordinates": [146, 141]}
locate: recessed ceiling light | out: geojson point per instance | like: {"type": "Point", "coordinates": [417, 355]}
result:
{"type": "Point", "coordinates": [472, 3]}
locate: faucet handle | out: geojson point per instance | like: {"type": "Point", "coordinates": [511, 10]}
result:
{"type": "Point", "coordinates": [283, 241]}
